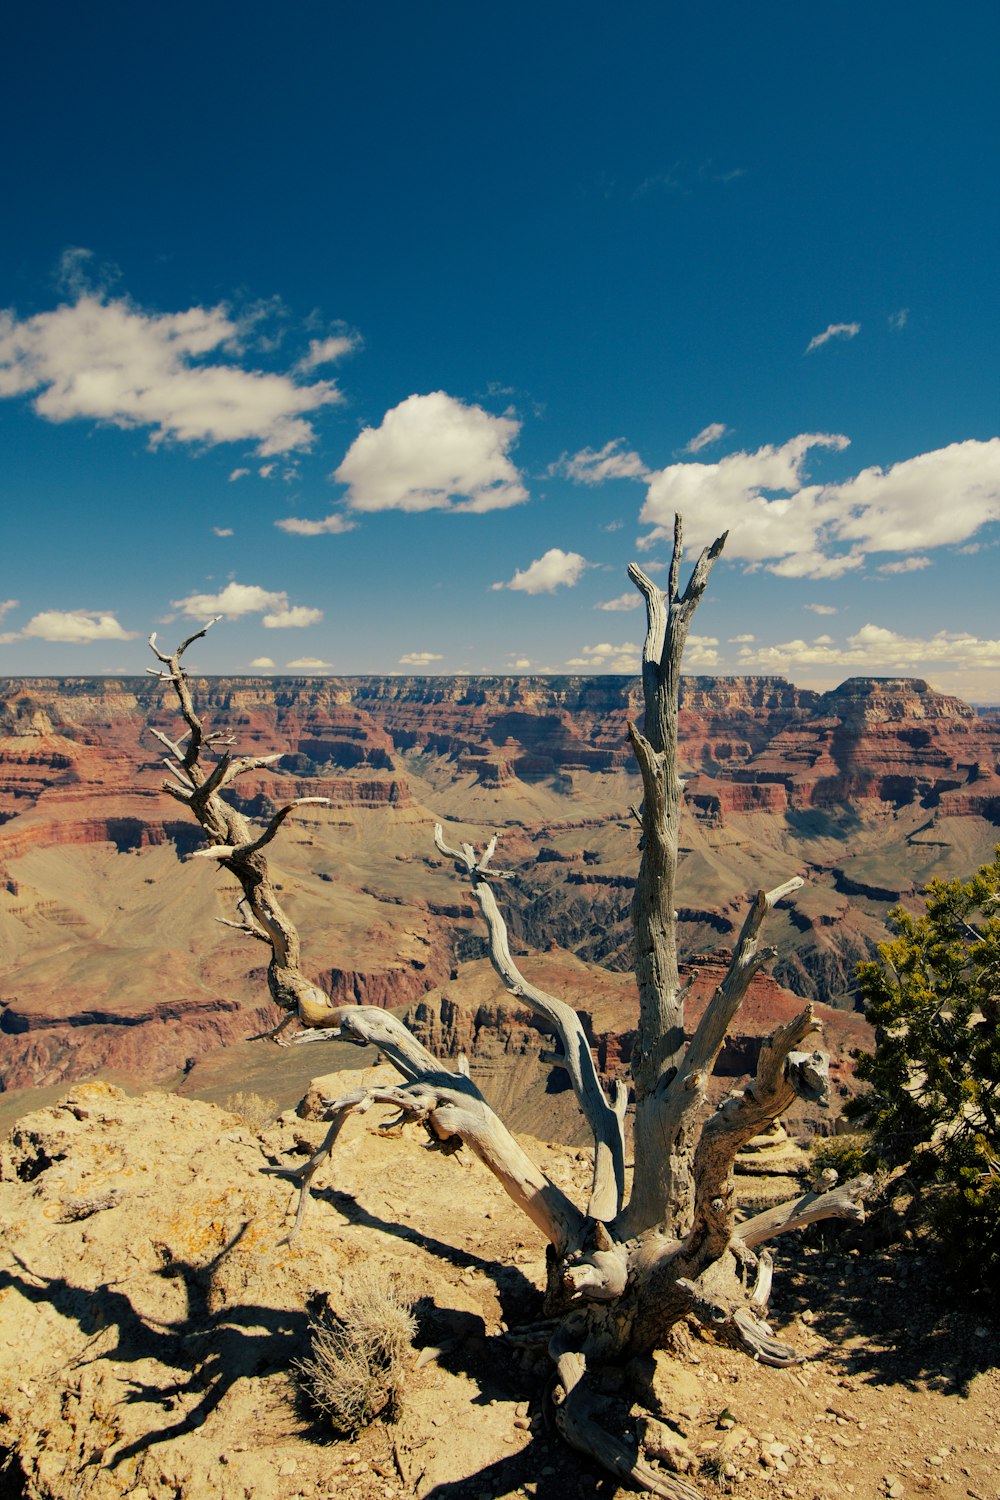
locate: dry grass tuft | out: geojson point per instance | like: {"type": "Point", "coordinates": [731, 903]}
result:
{"type": "Point", "coordinates": [355, 1372]}
{"type": "Point", "coordinates": [254, 1110]}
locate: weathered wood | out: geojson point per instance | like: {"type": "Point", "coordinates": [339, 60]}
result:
{"type": "Point", "coordinates": [620, 1275]}
{"type": "Point", "coordinates": [680, 1101]}
{"type": "Point", "coordinates": [659, 1042]}
{"type": "Point", "coordinates": [453, 1115]}
{"type": "Point", "coordinates": [603, 1116]}
{"type": "Point", "coordinates": [843, 1202]}
{"type": "Point", "coordinates": [576, 1421]}
{"type": "Point", "coordinates": [236, 844]}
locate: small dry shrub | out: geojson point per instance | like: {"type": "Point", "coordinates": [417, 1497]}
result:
{"type": "Point", "coordinates": [355, 1371]}
{"type": "Point", "coordinates": [254, 1110]}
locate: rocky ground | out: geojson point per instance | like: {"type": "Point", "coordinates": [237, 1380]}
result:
{"type": "Point", "coordinates": [151, 1310]}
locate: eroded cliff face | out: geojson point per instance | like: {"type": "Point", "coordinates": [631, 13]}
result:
{"type": "Point", "coordinates": [111, 953]}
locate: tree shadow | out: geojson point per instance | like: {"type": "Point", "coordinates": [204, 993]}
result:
{"type": "Point", "coordinates": [554, 1471]}
{"type": "Point", "coordinates": [208, 1351]}
{"type": "Point", "coordinates": [520, 1299]}
{"type": "Point", "coordinates": [892, 1316]}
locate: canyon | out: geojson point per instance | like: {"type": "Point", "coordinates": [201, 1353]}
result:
{"type": "Point", "coordinates": [112, 959]}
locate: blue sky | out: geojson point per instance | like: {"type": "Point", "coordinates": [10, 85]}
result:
{"type": "Point", "coordinates": [392, 333]}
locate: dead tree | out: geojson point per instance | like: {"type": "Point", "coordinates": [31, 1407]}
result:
{"type": "Point", "coordinates": [635, 1260]}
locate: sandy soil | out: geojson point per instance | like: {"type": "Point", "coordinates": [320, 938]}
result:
{"type": "Point", "coordinates": [150, 1314]}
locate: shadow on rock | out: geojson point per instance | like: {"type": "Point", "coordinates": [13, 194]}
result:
{"type": "Point", "coordinates": [208, 1351]}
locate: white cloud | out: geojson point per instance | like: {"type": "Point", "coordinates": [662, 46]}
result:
{"type": "Point", "coordinates": [263, 663]}
{"type": "Point", "coordinates": [630, 600]}
{"type": "Point", "coordinates": [729, 494]}
{"type": "Point", "coordinates": [626, 658]}
{"type": "Point", "coordinates": [801, 531]}
{"type": "Point", "coordinates": [327, 351]}
{"type": "Point", "coordinates": [701, 651]}
{"type": "Point", "coordinates": [6, 605]}
{"type": "Point", "coordinates": [73, 626]}
{"type": "Point", "coordinates": [906, 565]}
{"type": "Point", "coordinates": [308, 664]}
{"type": "Point", "coordinates": [741, 640]}
{"type": "Point", "coordinates": [293, 617]}
{"type": "Point", "coordinates": [833, 331]}
{"type": "Point", "coordinates": [239, 599]}
{"type": "Point", "coordinates": [552, 570]}
{"type": "Point", "coordinates": [708, 435]}
{"type": "Point", "coordinates": [822, 609]}
{"type": "Point", "coordinates": [235, 600]}
{"type": "Point", "coordinates": [876, 649]}
{"type": "Point", "coordinates": [433, 453]}
{"type": "Point", "coordinates": [519, 663]}
{"type": "Point", "coordinates": [223, 530]}
{"type": "Point", "coordinates": [334, 525]}
{"type": "Point", "coordinates": [107, 360]}
{"type": "Point", "coordinates": [595, 465]}
{"type": "Point", "coordinates": [607, 658]}
{"type": "Point", "coordinates": [238, 474]}
{"type": "Point", "coordinates": [932, 500]}
{"type": "Point", "coordinates": [898, 320]}
{"type": "Point", "coordinates": [815, 564]}
{"type": "Point", "coordinates": [419, 658]}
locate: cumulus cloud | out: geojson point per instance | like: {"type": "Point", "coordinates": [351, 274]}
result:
{"type": "Point", "coordinates": [519, 663]}
{"type": "Point", "coordinates": [308, 664]}
{"type": "Point", "coordinates": [238, 474]}
{"type": "Point", "coordinates": [433, 453]}
{"type": "Point", "coordinates": [595, 465]}
{"type": "Point", "coordinates": [607, 658]}
{"type": "Point", "coordinates": [294, 617]}
{"type": "Point", "coordinates": [71, 626]}
{"type": "Point", "coordinates": [6, 605]}
{"type": "Point", "coordinates": [741, 640]}
{"type": "Point", "coordinates": [234, 600]}
{"type": "Point", "coordinates": [800, 530]}
{"type": "Point", "coordinates": [833, 331]}
{"type": "Point", "coordinates": [107, 360]}
{"type": "Point", "coordinates": [419, 658]}
{"type": "Point", "coordinates": [327, 351]}
{"type": "Point", "coordinates": [932, 500]}
{"type": "Point", "coordinates": [223, 530]}
{"type": "Point", "coordinates": [552, 570]}
{"type": "Point", "coordinates": [626, 658]}
{"type": "Point", "coordinates": [822, 609]}
{"type": "Point", "coordinates": [239, 599]}
{"type": "Point", "coordinates": [263, 664]}
{"type": "Point", "coordinates": [630, 600]}
{"type": "Point", "coordinates": [730, 493]}
{"type": "Point", "coordinates": [334, 525]}
{"type": "Point", "coordinates": [877, 649]}
{"type": "Point", "coordinates": [708, 435]}
{"type": "Point", "coordinates": [906, 565]}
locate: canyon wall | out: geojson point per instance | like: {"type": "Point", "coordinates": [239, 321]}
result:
{"type": "Point", "coordinates": [111, 955]}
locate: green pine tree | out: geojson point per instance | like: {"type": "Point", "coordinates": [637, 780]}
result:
{"type": "Point", "coordinates": [933, 1102]}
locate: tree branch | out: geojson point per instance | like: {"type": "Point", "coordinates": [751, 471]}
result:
{"type": "Point", "coordinates": [605, 1121]}
{"type": "Point", "coordinates": [782, 1074]}
{"type": "Point", "coordinates": [460, 1116]}
{"type": "Point", "coordinates": [578, 1425]}
{"type": "Point", "coordinates": [234, 842]}
{"type": "Point", "coordinates": [843, 1202]}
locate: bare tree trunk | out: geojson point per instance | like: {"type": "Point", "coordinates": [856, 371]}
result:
{"type": "Point", "coordinates": [620, 1274]}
